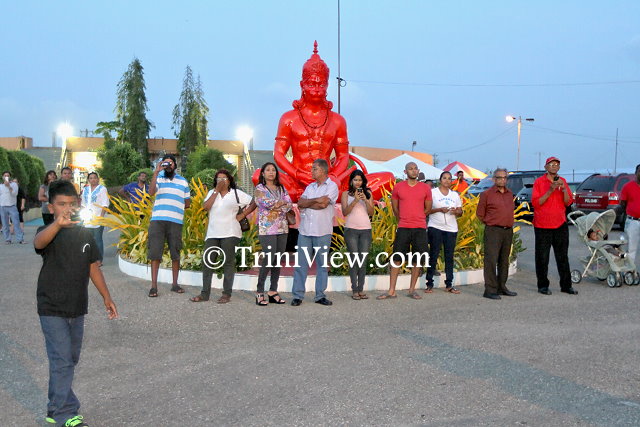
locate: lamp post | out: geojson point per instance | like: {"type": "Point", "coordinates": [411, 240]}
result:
{"type": "Point", "coordinates": [413, 145]}
{"type": "Point", "coordinates": [509, 120]}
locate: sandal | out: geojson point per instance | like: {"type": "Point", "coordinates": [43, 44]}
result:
{"type": "Point", "coordinates": [177, 289]}
{"type": "Point", "coordinates": [386, 296]}
{"type": "Point", "coordinates": [153, 292]}
{"type": "Point", "coordinates": [276, 299]}
{"type": "Point", "coordinates": [414, 295]}
{"type": "Point", "coordinates": [453, 290]}
{"type": "Point", "coordinates": [224, 299]}
{"type": "Point", "coordinates": [363, 296]}
{"type": "Point", "coordinates": [356, 296]}
{"type": "Point", "coordinates": [428, 290]}
{"type": "Point", "coordinates": [199, 298]}
{"type": "Point", "coordinates": [260, 300]}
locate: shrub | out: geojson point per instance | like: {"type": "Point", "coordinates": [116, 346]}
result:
{"type": "Point", "coordinates": [206, 177]}
{"type": "Point", "coordinates": [119, 160]}
{"type": "Point", "coordinates": [206, 158]}
{"type": "Point", "coordinates": [134, 176]}
{"type": "Point", "coordinates": [34, 169]}
{"type": "Point", "coordinates": [17, 169]}
{"type": "Point", "coordinates": [4, 160]}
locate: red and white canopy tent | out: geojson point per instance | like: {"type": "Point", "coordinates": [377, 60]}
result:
{"type": "Point", "coordinates": [469, 172]}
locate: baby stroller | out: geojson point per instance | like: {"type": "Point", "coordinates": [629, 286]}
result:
{"type": "Point", "coordinates": [606, 261]}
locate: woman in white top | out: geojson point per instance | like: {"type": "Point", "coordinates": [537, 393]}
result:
{"type": "Point", "coordinates": [443, 230]}
{"type": "Point", "coordinates": [357, 207]}
{"type": "Point", "coordinates": [94, 198]}
{"type": "Point", "coordinates": [223, 232]}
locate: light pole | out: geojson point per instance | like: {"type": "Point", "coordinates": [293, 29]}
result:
{"type": "Point", "coordinates": [413, 145]}
{"type": "Point", "coordinates": [509, 120]}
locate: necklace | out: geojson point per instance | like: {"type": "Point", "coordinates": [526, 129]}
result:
{"type": "Point", "coordinates": [315, 134]}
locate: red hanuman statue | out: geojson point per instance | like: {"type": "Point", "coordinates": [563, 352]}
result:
{"type": "Point", "coordinates": [312, 131]}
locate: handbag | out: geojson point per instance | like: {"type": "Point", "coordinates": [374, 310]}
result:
{"type": "Point", "coordinates": [291, 217]}
{"type": "Point", "coordinates": [244, 222]}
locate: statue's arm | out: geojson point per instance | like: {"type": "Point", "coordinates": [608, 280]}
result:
{"type": "Point", "coordinates": [341, 149]}
{"type": "Point", "coordinates": [282, 145]}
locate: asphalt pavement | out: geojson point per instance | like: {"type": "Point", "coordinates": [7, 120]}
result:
{"type": "Point", "coordinates": [445, 360]}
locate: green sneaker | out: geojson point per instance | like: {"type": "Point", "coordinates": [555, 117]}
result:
{"type": "Point", "coordinates": [75, 422]}
{"type": "Point", "coordinates": [49, 418]}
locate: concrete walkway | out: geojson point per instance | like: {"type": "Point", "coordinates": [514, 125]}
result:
{"type": "Point", "coordinates": [455, 360]}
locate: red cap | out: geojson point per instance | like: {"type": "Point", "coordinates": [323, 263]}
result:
{"type": "Point", "coordinates": [552, 159]}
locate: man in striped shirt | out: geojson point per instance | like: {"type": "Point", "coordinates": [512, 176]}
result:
{"type": "Point", "coordinates": [172, 198]}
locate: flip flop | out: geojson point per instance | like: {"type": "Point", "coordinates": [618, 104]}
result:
{"type": "Point", "coordinates": [386, 296]}
{"type": "Point", "coordinates": [363, 296]}
{"type": "Point", "coordinates": [428, 291]}
{"type": "Point", "coordinates": [153, 293]}
{"type": "Point", "coordinates": [177, 289]}
{"type": "Point", "coordinates": [414, 295]}
{"type": "Point", "coordinates": [453, 290]}
{"type": "Point", "coordinates": [356, 296]}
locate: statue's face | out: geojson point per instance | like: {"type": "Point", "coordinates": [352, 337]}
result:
{"type": "Point", "coordinates": [314, 88]}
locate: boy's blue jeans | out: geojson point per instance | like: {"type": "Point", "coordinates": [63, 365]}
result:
{"type": "Point", "coordinates": [63, 340]}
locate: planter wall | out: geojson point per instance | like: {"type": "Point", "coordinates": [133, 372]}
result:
{"type": "Point", "coordinates": [247, 282]}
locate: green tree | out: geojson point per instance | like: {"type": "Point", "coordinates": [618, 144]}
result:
{"type": "Point", "coordinates": [34, 175]}
{"type": "Point", "coordinates": [118, 162]}
{"type": "Point", "coordinates": [190, 115]}
{"type": "Point", "coordinates": [207, 158]}
{"type": "Point", "coordinates": [206, 176]}
{"type": "Point", "coordinates": [17, 169]}
{"type": "Point", "coordinates": [131, 110]}
{"type": "Point", "coordinates": [4, 160]}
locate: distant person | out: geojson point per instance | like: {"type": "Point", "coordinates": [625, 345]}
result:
{"type": "Point", "coordinates": [460, 184]}
{"type": "Point", "coordinates": [495, 211]}
{"type": "Point", "coordinates": [550, 197]}
{"type": "Point", "coordinates": [317, 209]}
{"type": "Point", "coordinates": [21, 204]}
{"type": "Point", "coordinates": [357, 207]}
{"type": "Point", "coordinates": [630, 205]}
{"type": "Point", "coordinates": [9, 209]}
{"type": "Point", "coordinates": [442, 230]}
{"type": "Point", "coordinates": [69, 258]}
{"type": "Point", "coordinates": [172, 198]}
{"type": "Point", "coordinates": [95, 198]}
{"type": "Point", "coordinates": [43, 196]}
{"type": "Point", "coordinates": [66, 174]}
{"type": "Point", "coordinates": [273, 203]}
{"type": "Point", "coordinates": [132, 191]}
{"type": "Point", "coordinates": [411, 203]}
{"type": "Point", "coordinates": [223, 231]}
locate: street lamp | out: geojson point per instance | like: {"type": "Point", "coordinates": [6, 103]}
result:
{"type": "Point", "coordinates": [413, 145]}
{"type": "Point", "coordinates": [64, 131]}
{"type": "Point", "coordinates": [245, 134]}
{"type": "Point", "coordinates": [509, 120]}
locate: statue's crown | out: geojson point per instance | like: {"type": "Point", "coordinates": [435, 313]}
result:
{"type": "Point", "coordinates": [315, 65]}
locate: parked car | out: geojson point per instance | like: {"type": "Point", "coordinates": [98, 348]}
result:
{"type": "Point", "coordinates": [601, 192]}
{"type": "Point", "coordinates": [515, 181]}
{"type": "Point", "coordinates": [524, 196]}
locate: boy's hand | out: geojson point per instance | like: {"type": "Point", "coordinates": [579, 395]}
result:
{"type": "Point", "coordinates": [64, 220]}
{"type": "Point", "coordinates": [112, 311]}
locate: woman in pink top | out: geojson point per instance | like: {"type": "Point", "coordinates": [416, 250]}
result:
{"type": "Point", "coordinates": [357, 207]}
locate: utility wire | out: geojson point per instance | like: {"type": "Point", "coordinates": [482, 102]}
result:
{"type": "Point", "coordinates": [493, 138]}
{"type": "Point", "coordinates": [600, 138]}
{"type": "Point", "coordinates": [613, 82]}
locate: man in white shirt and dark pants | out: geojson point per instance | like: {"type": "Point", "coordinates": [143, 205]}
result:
{"type": "Point", "coordinates": [9, 209]}
{"type": "Point", "coordinates": [317, 208]}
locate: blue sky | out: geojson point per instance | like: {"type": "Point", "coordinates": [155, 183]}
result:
{"type": "Point", "coordinates": [409, 67]}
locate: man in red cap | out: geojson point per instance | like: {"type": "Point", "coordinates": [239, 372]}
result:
{"type": "Point", "coordinates": [551, 195]}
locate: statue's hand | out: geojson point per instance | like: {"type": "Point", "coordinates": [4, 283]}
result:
{"type": "Point", "coordinates": [303, 175]}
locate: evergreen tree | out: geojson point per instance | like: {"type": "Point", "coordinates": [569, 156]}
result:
{"type": "Point", "coordinates": [131, 109]}
{"type": "Point", "coordinates": [190, 115]}
{"type": "Point", "coordinates": [119, 160]}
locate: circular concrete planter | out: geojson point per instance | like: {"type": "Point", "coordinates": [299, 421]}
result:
{"type": "Point", "coordinates": [247, 282]}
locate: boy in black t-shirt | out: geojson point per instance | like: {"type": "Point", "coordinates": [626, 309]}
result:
{"type": "Point", "coordinates": [70, 257]}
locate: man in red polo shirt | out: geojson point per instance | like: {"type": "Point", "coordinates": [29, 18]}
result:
{"type": "Point", "coordinates": [630, 203]}
{"type": "Point", "coordinates": [551, 196]}
{"type": "Point", "coordinates": [495, 210]}
{"type": "Point", "coordinates": [411, 202]}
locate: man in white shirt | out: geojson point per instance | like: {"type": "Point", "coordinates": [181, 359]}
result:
{"type": "Point", "coordinates": [317, 208]}
{"type": "Point", "coordinates": [9, 209]}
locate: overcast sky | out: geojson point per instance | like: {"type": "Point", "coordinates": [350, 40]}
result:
{"type": "Point", "coordinates": [442, 73]}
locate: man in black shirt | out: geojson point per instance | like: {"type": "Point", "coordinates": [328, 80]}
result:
{"type": "Point", "coordinates": [70, 257]}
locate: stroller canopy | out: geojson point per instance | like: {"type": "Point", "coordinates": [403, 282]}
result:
{"type": "Point", "coordinates": [602, 223]}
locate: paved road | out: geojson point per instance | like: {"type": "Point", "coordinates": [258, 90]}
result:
{"type": "Point", "coordinates": [455, 360]}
